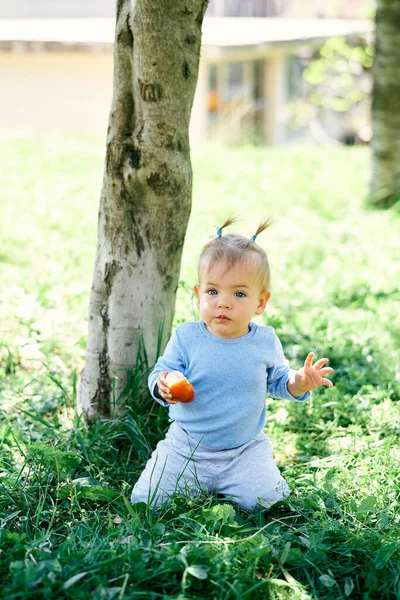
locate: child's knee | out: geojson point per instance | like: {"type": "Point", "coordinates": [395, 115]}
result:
{"type": "Point", "coordinates": [152, 487]}
{"type": "Point", "coordinates": [163, 475]}
{"type": "Point", "coordinates": [256, 499]}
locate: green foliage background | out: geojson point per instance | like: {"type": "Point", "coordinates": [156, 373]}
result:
{"type": "Point", "coordinates": [67, 528]}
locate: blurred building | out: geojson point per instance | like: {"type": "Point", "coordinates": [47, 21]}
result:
{"type": "Point", "coordinates": [56, 63]}
{"type": "Point", "coordinates": [347, 9]}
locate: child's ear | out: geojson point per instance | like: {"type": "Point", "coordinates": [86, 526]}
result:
{"type": "Point", "coordinates": [262, 303]}
{"type": "Point", "coordinates": [197, 292]}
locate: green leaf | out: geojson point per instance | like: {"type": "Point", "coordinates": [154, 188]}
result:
{"type": "Point", "coordinates": [330, 475]}
{"type": "Point", "coordinates": [17, 538]}
{"type": "Point", "coordinates": [279, 582]}
{"type": "Point", "coordinates": [220, 514]}
{"type": "Point", "coordinates": [87, 488]}
{"type": "Point", "coordinates": [316, 543]}
{"type": "Point", "coordinates": [68, 460]}
{"type": "Point", "coordinates": [158, 529]}
{"type": "Point", "coordinates": [223, 512]}
{"type": "Point", "coordinates": [135, 517]}
{"type": "Point", "coordinates": [285, 552]}
{"type": "Point", "coordinates": [384, 554]}
{"type": "Point", "coordinates": [327, 580]}
{"type": "Point", "coordinates": [17, 565]}
{"type": "Point", "coordinates": [366, 505]}
{"type": "Point", "coordinates": [348, 586]}
{"type": "Point", "coordinates": [197, 571]}
{"type": "Point", "coordinates": [294, 557]}
{"type": "Point", "coordinates": [305, 541]}
{"type": "Point", "coordinates": [70, 582]}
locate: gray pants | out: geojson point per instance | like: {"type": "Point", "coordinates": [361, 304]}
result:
{"type": "Point", "coordinates": [248, 474]}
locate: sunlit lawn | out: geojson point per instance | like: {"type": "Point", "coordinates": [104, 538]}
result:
{"type": "Point", "coordinates": [336, 273]}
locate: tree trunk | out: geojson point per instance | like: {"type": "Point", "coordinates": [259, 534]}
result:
{"type": "Point", "coordinates": [385, 184]}
{"type": "Point", "coordinates": [146, 195]}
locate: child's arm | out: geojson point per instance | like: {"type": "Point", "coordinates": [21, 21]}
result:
{"type": "Point", "coordinates": [309, 377]}
{"type": "Point", "coordinates": [171, 360]}
{"type": "Point", "coordinates": [286, 383]}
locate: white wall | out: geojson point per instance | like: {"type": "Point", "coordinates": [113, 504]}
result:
{"type": "Point", "coordinates": [28, 9]}
{"type": "Point", "coordinates": [56, 91]}
{"type": "Point", "coordinates": [70, 92]}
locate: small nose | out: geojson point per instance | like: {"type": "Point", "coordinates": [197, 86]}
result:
{"type": "Point", "coordinates": [223, 301]}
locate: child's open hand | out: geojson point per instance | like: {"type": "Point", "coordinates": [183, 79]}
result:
{"type": "Point", "coordinates": [310, 376]}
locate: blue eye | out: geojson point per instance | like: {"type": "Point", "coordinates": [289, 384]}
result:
{"type": "Point", "coordinates": [212, 292]}
{"type": "Point", "coordinates": [240, 294]}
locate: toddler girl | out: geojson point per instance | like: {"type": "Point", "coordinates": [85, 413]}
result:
{"type": "Point", "coordinates": [217, 441]}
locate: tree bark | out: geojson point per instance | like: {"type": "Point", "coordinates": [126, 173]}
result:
{"type": "Point", "coordinates": [146, 194]}
{"type": "Point", "coordinates": [385, 183]}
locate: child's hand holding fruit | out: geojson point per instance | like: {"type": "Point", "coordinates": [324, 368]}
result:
{"type": "Point", "coordinates": [173, 387]}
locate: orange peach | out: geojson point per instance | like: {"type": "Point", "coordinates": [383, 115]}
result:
{"type": "Point", "coordinates": [180, 387]}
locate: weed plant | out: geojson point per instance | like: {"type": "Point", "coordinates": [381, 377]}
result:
{"type": "Point", "coordinates": [67, 527]}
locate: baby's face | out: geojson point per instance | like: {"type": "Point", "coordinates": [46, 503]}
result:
{"type": "Point", "coordinates": [228, 300]}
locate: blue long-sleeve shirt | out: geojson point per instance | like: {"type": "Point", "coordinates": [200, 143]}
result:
{"type": "Point", "coordinates": [231, 378]}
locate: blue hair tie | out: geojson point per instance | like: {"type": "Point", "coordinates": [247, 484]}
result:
{"type": "Point", "coordinates": [219, 231]}
{"type": "Point", "coordinates": [254, 237]}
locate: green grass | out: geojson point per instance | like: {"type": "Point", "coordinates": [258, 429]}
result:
{"type": "Point", "coordinates": [67, 529]}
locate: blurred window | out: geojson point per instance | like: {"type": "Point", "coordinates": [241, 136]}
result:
{"type": "Point", "coordinates": [244, 8]}
{"type": "Point", "coordinates": [235, 86]}
{"type": "Point", "coordinates": [296, 86]}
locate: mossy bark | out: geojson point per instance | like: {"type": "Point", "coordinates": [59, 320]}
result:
{"type": "Point", "coordinates": [146, 195]}
{"type": "Point", "coordinates": [385, 182]}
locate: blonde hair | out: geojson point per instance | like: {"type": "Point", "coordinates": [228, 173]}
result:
{"type": "Point", "coordinates": [236, 249]}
